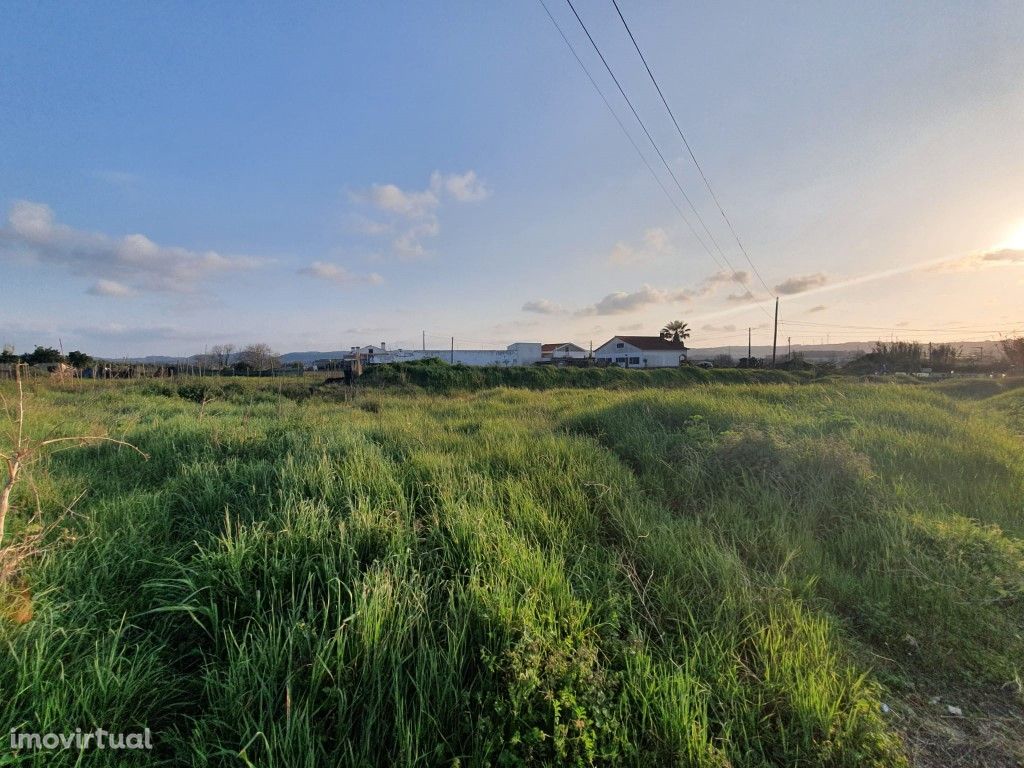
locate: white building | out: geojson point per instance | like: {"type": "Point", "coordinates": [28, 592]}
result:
{"type": "Point", "coordinates": [641, 352]}
{"type": "Point", "coordinates": [565, 350]}
{"type": "Point", "coordinates": [520, 353]}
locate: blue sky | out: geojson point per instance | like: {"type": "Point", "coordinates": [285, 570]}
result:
{"type": "Point", "coordinates": [314, 176]}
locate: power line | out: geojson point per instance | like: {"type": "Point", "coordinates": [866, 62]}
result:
{"type": "Point", "coordinates": [654, 144]}
{"type": "Point", "coordinates": [686, 143]}
{"type": "Point", "coordinates": [945, 329]}
{"type": "Point", "coordinates": [629, 136]}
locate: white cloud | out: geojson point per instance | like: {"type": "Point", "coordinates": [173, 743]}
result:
{"type": "Point", "coordinates": [389, 197]}
{"type": "Point", "coordinates": [364, 225]}
{"type": "Point", "coordinates": [408, 244]}
{"type": "Point", "coordinates": [543, 307]}
{"type": "Point", "coordinates": [132, 262]}
{"type": "Point", "coordinates": [412, 215]}
{"type": "Point", "coordinates": [727, 328]}
{"type": "Point", "coordinates": [817, 308]}
{"type": "Point", "coordinates": [801, 283]}
{"type": "Point", "coordinates": [655, 243]}
{"type": "Point", "coordinates": [109, 288]}
{"type": "Point", "coordinates": [334, 273]}
{"type": "Point", "coordinates": [463, 188]}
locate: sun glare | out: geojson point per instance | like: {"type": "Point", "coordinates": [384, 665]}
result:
{"type": "Point", "coordinates": [1015, 240]}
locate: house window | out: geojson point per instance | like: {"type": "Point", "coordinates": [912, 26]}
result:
{"type": "Point", "coordinates": [620, 360]}
{"type": "Point", "coordinates": [620, 345]}
{"type": "Point", "coordinates": [634, 361]}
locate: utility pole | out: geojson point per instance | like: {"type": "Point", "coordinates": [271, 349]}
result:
{"type": "Point", "coordinates": [748, 345]}
{"type": "Point", "coordinates": [789, 340]}
{"type": "Point", "coordinates": [453, 350]}
{"type": "Point", "coordinates": [775, 334]}
{"type": "Point", "coordinates": [424, 340]}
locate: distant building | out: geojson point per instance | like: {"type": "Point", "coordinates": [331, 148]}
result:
{"type": "Point", "coordinates": [641, 352]}
{"type": "Point", "coordinates": [520, 353]}
{"type": "Point", "coordinates": [565, 350]}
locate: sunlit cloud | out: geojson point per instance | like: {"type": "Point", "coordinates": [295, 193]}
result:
{"type": "Point", "coordinates": [999, 257]}
{"type": "Point", "coordinates": [1005, 256]}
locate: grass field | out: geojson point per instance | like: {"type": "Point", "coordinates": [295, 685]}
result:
{"type": "Point", "coordinates": [718, 574]}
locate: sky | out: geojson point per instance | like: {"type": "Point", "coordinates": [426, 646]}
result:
{"type": "Point", "coordinates": [316, 176]}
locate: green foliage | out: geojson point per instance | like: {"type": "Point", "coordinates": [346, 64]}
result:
{"type": "Point", "coordinates": [42, 356]}
{"type": "Point", "coordinates": [676, 330]}
{"type": "Point", "coordinates": [439, 377]}
{"type": "Point", "coordinates": [943, 355]}
{"type": "Point", "coordinates": [715, 573]}
{"type": "Point", "coordinates": [902, 356]}
{"type": "Point", "coordinates": [1014, 351]}
{"type": "Point", "coordinates": [79, 359]}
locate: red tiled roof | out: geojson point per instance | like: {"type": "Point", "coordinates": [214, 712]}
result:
{"type": "Point", "coordinates": [651, 343]}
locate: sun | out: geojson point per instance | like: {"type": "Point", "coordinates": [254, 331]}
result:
{"type": "Point", "coordinates": [1016, 240]}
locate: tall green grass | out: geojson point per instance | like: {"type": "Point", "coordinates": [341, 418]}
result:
{"type": "Point", "coordinates": [719, 575]}
{"type": "Point", "coordinates": [437, 376]}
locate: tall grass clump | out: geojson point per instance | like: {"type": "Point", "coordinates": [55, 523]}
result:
{"type": "Point", "coordinates": [717, 574]}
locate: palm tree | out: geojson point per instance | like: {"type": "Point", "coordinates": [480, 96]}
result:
{"type": "Point", "coordinates": [677, 330]}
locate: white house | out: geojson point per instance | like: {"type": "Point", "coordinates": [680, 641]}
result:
{"type": "Point", "coordinates": [565, 350]}
{"type": "Point", "coordinates": [520, 353]}
{"type": "Point", "coordinates": [641, 352]}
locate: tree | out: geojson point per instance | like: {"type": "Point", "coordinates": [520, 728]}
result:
{"type": "Point", "coordinates": [676, 330]}
{"type": "Point", "coordinates": [943, 355]}
{"type": "Point", "coordinates": [257, 357]}
{"type": "Point", "coordinates": [898, 355]}
{"type": "Point", "coordinates": [724, 361]}
{"type": "Point", "coordinates": [42, 356]}
{"type": "Point", "coordinates": [79, 359]}
{"type": "Point", "coordinates": [221, 354]}
{"type": "Point", "coordinates": [8, 357]}
{"type": "Point", "coordinates": [217, 359]}
{"type": "Point", "coordinates": [1014, 350]}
